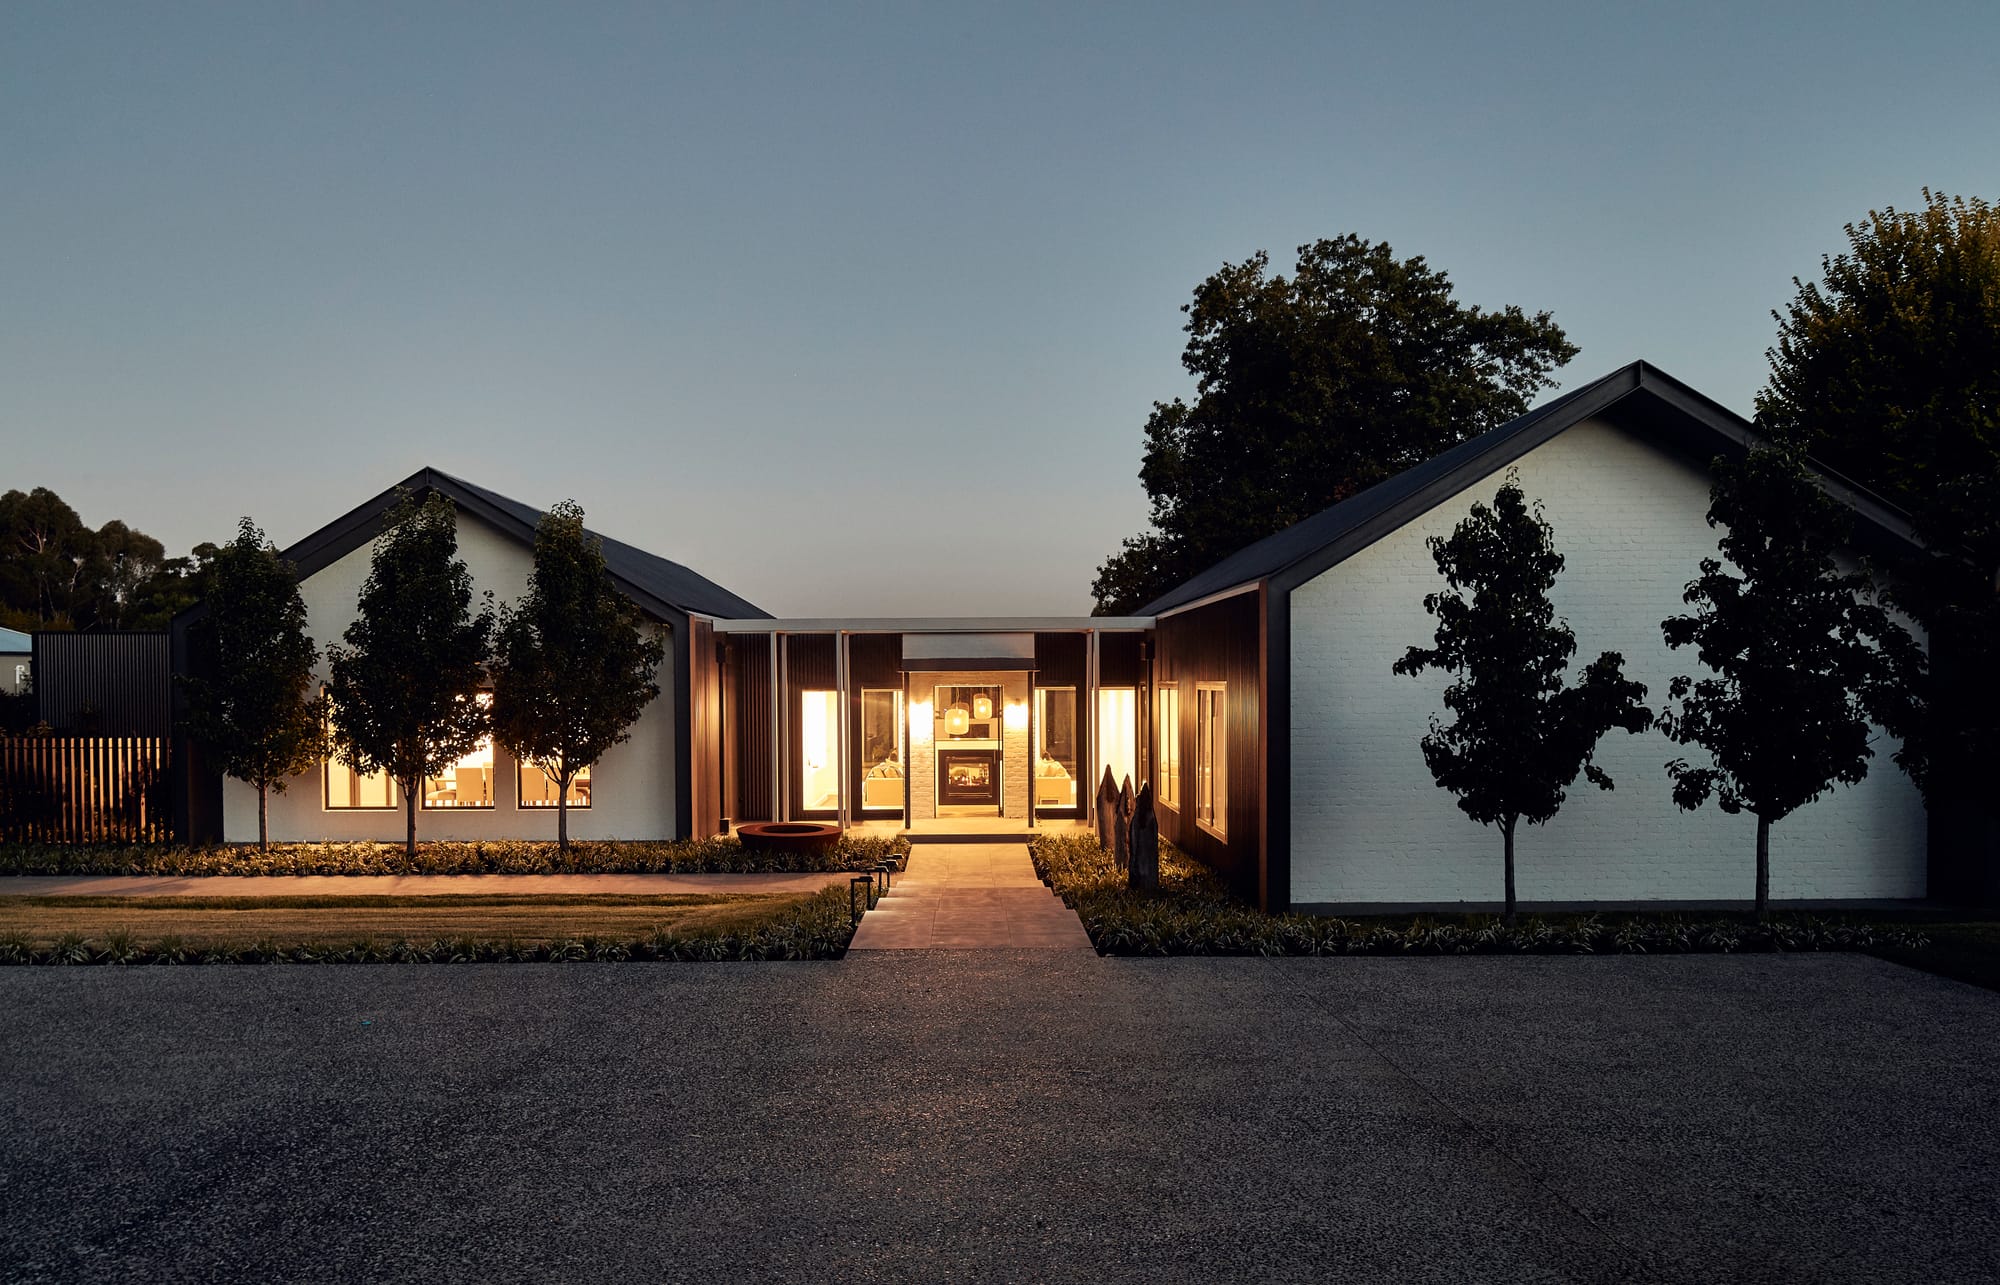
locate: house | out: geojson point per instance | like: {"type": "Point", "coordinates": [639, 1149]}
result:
{"type": "Point", "coordinates": [1257, 697]}
{"type": "Point", "coordinates": [1273, 666]}
{"type": "Point", "coordinates": [17, 652]}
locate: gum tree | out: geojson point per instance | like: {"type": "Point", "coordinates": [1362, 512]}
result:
{"type": "Point", "coordinates": [253, 705]}
{"type": "Point", "coordinates": [575, 661]}
{"type": "Point", "coordinates": [405, 687]}
{"type": "Point", "coordinates": [1795, 651]}
{"type": "Point", "coordinates": [1520, 732]}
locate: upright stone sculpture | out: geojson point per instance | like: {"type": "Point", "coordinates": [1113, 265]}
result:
{"type": "Point", "coordinates": [1107, 810]}
{"type": "Point", "coordinates": [1145, 868]}
{"type": "Point", "coordinates": [1121, 833]}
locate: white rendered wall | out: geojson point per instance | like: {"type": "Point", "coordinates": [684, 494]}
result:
{"type": "Point", "coordinates": [632, 788]}
{"type": "Point", "coordinates": [1370, 825]}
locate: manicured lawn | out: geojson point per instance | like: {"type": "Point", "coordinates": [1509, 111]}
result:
{"type": "Point", "coordinates": [368, 929]}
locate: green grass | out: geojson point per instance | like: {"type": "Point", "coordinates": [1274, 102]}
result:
{"type": "Point", "coordinates": [361, 930]}
{"type": "Point", "coordinates": [687, 856]}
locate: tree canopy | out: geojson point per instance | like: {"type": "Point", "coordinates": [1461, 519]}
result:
{"type": "Point", "coordinates": [57, 573]}
{"type": "Point", "coordinates": [575, 661]}
{"type": "Point", "coordinates": [1794, 647]}
{"type": "Point", "coordinates": [252, 702]}
{"type": "Point", "coordinates": [1521, 733]}
{"type": "Point", "coordinates": [1310, 388]}
{"type": "Point", "coordinates": [1888, 369]}
{"type": "Point", "coordinates": [405, 687]}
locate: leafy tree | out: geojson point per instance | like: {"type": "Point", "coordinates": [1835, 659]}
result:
{"type": "Point", "coordinates": [575, 660]}
{"type": "Point", "coordinates": [1311, 388]}
{"type": "Point", "coordinates": [1795, 649]}
{"type": "Point", "coordinates": [1889, 370]}
{"type": "Point", "coordinates": [405, 687]}
{"type": "Point", "coordinates": [1522, 733]}
{"type": "Point", "coordinates": [57, 573]}
{"type": "Point", "coordinates": [253, 704]}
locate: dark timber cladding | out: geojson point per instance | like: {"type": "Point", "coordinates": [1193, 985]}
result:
{"type": "Point", "coordinates": [810, 666]}
{"type": "Point", "coordinates": [747, 723]}
{"type": "Point", "coordinates": [873, 660]}
{"type": "Point", "coordinates": [1223, 642]}
{"type": "Point", "coordinates": [108, 684]}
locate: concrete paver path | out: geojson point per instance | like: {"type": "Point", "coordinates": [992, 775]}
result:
{"type": "Point", "coordinates": [970, 896]}
{"type": "Point", "coordinates": [651, 885]}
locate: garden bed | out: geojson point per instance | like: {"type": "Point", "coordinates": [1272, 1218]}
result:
{"type": "Point", "coordinates": [686, 856]}
{"type": "Point", "coordinates": [1194, 913]}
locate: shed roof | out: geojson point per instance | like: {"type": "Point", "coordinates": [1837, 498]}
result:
{"type": "Point", "coordinates": [14, 642]}
{"type": "Point", "coordinates": [1640, 397]}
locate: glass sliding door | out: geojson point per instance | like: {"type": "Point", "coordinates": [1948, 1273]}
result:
{"type": "Point", "coordinates": [881, 750]}
{"type": "Point", "coordinates": [819, 751]}
{"type": "Point", "coordinates": [1056, 749]}
{"type": "Point", "coordinates": [1117, 736]}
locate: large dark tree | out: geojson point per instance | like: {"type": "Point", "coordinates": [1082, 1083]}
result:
{"type": "Point", "coordinates": [1311, 388]}
{"type": "Point", "coordinates": [1521, 733]}
{"type": "Point", "coordinates": [1794, 647]}
{"type": "Point", "coordinates": [575, 661]}
{"type": "Point", "coordinates": [405, 688]}
{"type": "Point", "coordinates": [253, 704]}
{"type": "Point", "coordinates": [1889, 370]}
{"type": "Point", "coordinates": [57, 573]}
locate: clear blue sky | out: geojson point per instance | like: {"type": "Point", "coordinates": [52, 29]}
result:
{"type": "Point", "coordinates": [861, 310]}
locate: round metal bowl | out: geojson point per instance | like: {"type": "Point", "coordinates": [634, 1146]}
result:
{"type": "Point", "coordinates": [788, 836]}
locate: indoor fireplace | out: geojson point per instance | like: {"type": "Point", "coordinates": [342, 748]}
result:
{"type": "Point", "coordinates": [968, 778]}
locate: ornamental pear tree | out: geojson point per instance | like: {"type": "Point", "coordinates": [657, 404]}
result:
{"type": "Point", "coordinates": [1311, 387]}
{"type": "Point", "coordinates": [252, 703]}
{"type": "Point", "coordinates": [405, 687]}
{"type": "Point", "coordinates": [575, 660]}
{"type": "Point", "coordinates": [1521, 733]}
{"type": "Point", "coordinates": [1795, 649]}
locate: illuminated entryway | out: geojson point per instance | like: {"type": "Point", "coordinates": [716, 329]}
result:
{"type": "Point", "coordinates": [904, 723]}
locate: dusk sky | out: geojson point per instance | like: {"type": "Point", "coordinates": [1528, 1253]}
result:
{"type": "Point", "coordinates": [862, 310]}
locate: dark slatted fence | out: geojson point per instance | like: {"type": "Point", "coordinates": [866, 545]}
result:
{"type": "Point", "coordinates": [84, 789]}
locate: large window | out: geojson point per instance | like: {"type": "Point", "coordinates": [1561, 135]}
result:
{"type": "Point", "coordinates": [1211, 758]}
{"type": "Point", "coordinates": [1169, 727]}
{"type": "Point", "coordinates": [1117, 735]}
{"type": "Point", "coordinates": [467, 783]}
{"type": "Point", "coordinates": [881, 749]}
{"type": "Point", "coordinates": [537, 789]}
{"type": "Point", "coordinates": [819, 751]}
{"type": "Point", "coordinates": [347, 788]}
{"type": "Point", "coordinates": [1056, 748]}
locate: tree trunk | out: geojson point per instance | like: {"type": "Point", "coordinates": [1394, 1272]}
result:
{"type": "Point", "coordinates": [263, 816]}
{"type": "Point", "coordinates": [410, 822]}
{"type": "Point", "coordinates": [562, 818]}
{"type": "Point", "coordinates": [1763, 868]}
{"type": "Point", "coordinates": [1507, 830]}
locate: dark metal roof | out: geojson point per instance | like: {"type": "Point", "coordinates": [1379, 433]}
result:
{"type": "Point", "coordinates": [653, 582]}
{"type": "Point", "coordinates": [1638, 397]}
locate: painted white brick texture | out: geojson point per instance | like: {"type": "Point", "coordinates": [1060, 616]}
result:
{"type": "Point", "coordinates": [1370, 825]}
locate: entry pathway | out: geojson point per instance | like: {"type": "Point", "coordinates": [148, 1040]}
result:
{"type": "Point", "coordinates": [970, 896]}
{"type": "Point", "coordinates": [569, 885]}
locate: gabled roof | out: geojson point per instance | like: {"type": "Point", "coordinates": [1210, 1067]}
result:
{"type": "Point", "coordinates": [660, 586]}
{"type": "Point", "coordinates": [1638, 397]}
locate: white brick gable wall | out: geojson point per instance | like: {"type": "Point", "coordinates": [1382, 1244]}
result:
{"type": "Point", "coordinates": [1370, 825]}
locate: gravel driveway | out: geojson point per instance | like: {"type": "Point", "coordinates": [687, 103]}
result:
{"type": "Point", "coordinates": [968, 1116]}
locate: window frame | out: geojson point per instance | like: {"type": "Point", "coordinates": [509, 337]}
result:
{"type": "Point", "coordinates": [1211, 755]}
{"type": "Point", "coordinates": [483, 696]}
{"type": "Point", "coordinates": [522, 766]}
{"type": "Point", "coordinates": [1168, 725]}
{"type": "Point", "coordinates": [326, 803]}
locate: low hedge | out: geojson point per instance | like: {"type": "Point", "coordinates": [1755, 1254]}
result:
{"type": "Point", "coordinates": [816, 928]}
{"type": "Point", "coordinates": [683, 856]}
{"type": "Point", "coordinates": [1194, 913]}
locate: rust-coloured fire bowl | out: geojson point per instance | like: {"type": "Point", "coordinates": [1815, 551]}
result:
{"type": "Point", "coordinates": [788, 836]}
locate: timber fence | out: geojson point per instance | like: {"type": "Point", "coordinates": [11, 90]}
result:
{"type": "Point", "coordinates": [85, 789]}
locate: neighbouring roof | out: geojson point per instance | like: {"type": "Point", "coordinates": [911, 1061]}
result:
{"type": "Point", "coordinates": [651, 581]}
{"type": "Point", "coordinates": [1639, 397]}
{"type": "Point", "coordinates": [13, 641]}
